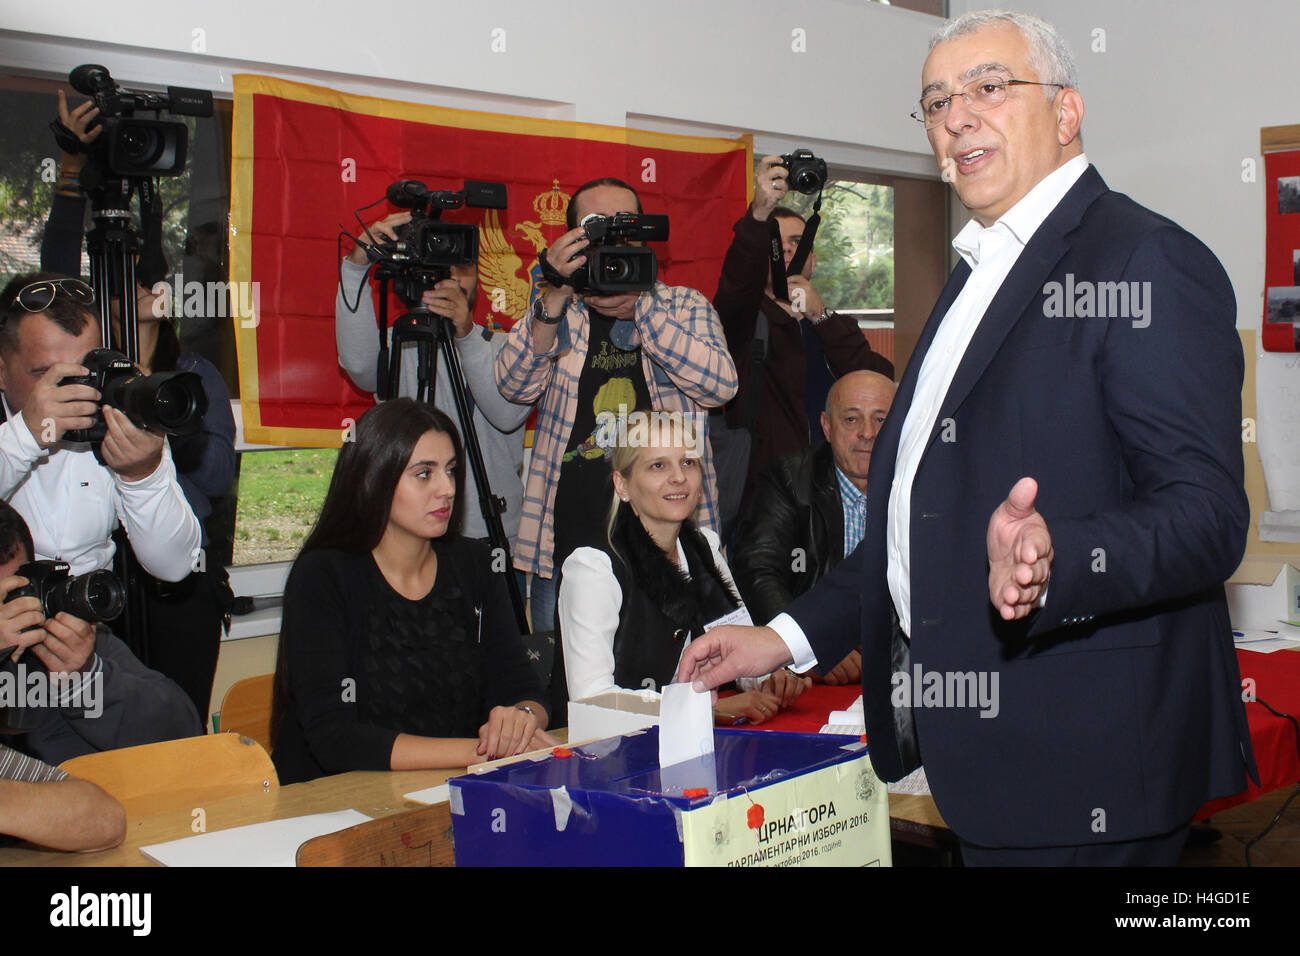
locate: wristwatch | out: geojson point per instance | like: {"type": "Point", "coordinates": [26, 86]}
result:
{"type": "Point", "coordinates": [525, 707]}
{"type": "Point", "coordinates": [539, 313]}
{"type": "Point", "coordinates": [826, 314]}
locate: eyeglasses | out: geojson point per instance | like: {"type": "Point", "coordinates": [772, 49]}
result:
{"type": "Point", "coordinates": [980, 95]}
{"type": "Point", "coordinates": [37, 296]}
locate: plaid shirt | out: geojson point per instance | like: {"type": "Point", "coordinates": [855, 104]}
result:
{"type": "Point", "coordinates": [687, 368]}
{"type": "Point", "coordinates": [854, 503]}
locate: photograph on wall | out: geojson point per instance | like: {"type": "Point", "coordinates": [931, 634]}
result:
{"type": "Point", "coordinates": [1288, 195]}
{"type": "Point", "coordinates": [1282, 306]}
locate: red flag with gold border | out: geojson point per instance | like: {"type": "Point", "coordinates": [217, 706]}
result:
{"type": "Point", "coordinates": [306, 157]}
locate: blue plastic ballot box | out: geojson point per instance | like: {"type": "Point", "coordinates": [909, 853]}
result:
{"type": "Point", "coordinates": [761, 799]}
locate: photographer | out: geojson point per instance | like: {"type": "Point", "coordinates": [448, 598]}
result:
{"type": "Point", "coordinates": [498, 422]}
{"type": "Point", "coordinates": [584, 355]}
{"type": "Point", "coordinates": [184, 617]}
{"type": "Point", "coordinates": [806, 348]}
{"type": "Point", "coordinates": [101, 696]}
{"type": "Point", "coordinates": [70, 500]}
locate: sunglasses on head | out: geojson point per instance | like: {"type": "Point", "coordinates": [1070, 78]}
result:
{"type": "Point", "coordinates": [37, 296]}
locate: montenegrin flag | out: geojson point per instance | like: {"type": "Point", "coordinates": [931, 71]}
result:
{"type": "Point", "coordinates": [306, 157]}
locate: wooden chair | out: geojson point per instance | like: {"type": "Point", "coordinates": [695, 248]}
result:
{"type": "Point", "coordinates": [246, 709]}
{"type": "Point", "coordinates": [177, 774]}
{"type": "Point", "coordinates": [415, 838]}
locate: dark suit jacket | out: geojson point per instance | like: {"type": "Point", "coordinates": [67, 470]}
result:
{"type": "Point", "coordinates": [1119, 708]}
{"type": "Point", "coordinates": [793, 533]}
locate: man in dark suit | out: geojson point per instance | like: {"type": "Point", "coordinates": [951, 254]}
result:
{"type": "Point", "coordinates": [1044, 620]}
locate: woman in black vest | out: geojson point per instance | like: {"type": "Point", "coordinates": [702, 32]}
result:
{"type": "Point", "coordinates": [627, 609]}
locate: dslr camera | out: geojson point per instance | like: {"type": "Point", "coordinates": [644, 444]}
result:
{"type": "Point", "coordinates": [612, 266]}
{"type": "Point", "coordinates": [132, 147]}
{"type": "Point", "coordinates": [169, 402]}
{"type": "Point", "coordinates": [426, 247]}
{"type": "Point", "coordinates": [97, 596]}
{"type": "Point", "coordinates": [807, 172]}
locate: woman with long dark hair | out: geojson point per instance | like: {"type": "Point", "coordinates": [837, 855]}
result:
{"type": "Point", "coordinates": [398, 649]}
{"type": "Point", "coordinates": [627, 609]}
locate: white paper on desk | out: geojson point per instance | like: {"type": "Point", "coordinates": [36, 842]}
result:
{"type": "Point", "coordinates": [685, 724]}
{"type": "Point", "coordinates": [274, 843]}
{"type": "Point", "coordinates": [914, 783]}
{"type": "Point", "coordinates": [439, 794]}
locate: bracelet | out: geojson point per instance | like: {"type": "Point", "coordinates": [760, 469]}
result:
{"type": "Point", "coordinates": [528, 710]}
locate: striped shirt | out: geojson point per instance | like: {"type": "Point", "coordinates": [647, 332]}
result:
{"type": "Point", "coordinates": [17, 766]}
{"type": "Point", "coordinates": [854, 502]}
{"type": "Point", "coordinates": [687, 369]}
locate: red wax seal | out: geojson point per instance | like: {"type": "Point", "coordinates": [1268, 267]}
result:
{"type": "Point", "coordinates": [755, 816]}
{"type": "Point", "coordinates": [563, 753]}
{"type": "Point", "coordinates": [696, 792]}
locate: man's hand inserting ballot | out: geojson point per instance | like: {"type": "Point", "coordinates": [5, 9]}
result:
{"type": "Point", "coordinates": [724, 653]}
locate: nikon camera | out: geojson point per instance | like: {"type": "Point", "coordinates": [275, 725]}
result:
{"type": "Point", "coordinates": [169, 402]}
{"type": "Point", "coordinates": [97, 596]}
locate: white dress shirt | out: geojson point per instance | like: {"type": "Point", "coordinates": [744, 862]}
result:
{"type": "Point", "coordinates": [991, 253]}
{"type": "Point", "coordinates": [72, 503]}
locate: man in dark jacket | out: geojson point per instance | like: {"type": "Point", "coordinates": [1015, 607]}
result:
{"type": "Point", "coordinates": [796, 529]}
{"type": "Point", "coordinates": [808, 346]}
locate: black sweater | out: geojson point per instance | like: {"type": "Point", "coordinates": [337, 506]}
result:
{"type": "Point", "coordinates": [360, 664]}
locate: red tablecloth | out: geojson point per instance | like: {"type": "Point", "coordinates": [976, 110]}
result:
{"type": "Point", "coordinates": [1276, 677]}
{"type": "Point", "coordinates": [1277, 680]}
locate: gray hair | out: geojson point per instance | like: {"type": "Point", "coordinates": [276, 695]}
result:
{"type": "Point", "coordinates": [1049, 54]}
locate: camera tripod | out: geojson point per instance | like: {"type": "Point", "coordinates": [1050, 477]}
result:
{"type": "Point", "coordinates": [432, 336]}
{"type": "Point", "coordinates": [111, 245]}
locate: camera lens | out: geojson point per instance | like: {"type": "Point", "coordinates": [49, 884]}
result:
{"type": "Point", "coordinates": [141, 145]}
{"type": "Point", "coordinates": [170, 402]}
{"type": "Point", "coordinates": [97, 596]}
{"type": "Point", "coordinates": [615, 269]}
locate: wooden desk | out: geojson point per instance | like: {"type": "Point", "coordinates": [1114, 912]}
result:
{"type": "Point", "coordinates": [376, 794]}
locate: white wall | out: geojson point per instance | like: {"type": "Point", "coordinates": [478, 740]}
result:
{"type": "Point", "coordinates": [721, 65]}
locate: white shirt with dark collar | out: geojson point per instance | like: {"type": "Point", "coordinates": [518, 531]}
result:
{"type": "Point", "coordinates": [991, 253]}
{"type": "Point", "coordinates": [72, 503]}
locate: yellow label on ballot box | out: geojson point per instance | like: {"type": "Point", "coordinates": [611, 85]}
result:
{"type": "Point", "coordinates": [836, 816]}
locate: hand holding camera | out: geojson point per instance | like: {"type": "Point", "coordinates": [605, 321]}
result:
{"type": "Point", "coordinates": [56, 407]}
{"type": "Point", "coordinates": [21, 617]}
{"type": "Point", "coordinates": [49, 610]}
{"type": "Point", "coordinates": [770, 186]}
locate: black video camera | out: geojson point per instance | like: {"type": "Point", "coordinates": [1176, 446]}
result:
{"type": "Point", "coordinates": [170, 402]}
{"type": "Point", "coordinates": [97, 596]}
{"type": "Point", "coordinates": [129, 146]}
{"type": "Point", "coordinates": [612, 267]}
{"type": "Point", "coordinates": [426, 247]}
{"type": "Point", "coordinates": [807, 172]}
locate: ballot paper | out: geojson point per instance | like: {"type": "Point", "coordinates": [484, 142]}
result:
{"type": "Point", "coordinates": [685, 724]}
{"type": "Point", "coordinates": [439, 794]}
{"type": "Point", "coordinates": [261, 844]}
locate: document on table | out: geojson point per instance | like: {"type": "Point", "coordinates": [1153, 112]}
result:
{"type": "Point", "coordinates": [439, 794]}
{"type": "Point", "coordinates": [274, 843]}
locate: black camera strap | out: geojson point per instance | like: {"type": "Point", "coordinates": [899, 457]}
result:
{"type": "Point", "coordinates": [550, 273]}
{"type": "Point", "coordinates": [806, 241]}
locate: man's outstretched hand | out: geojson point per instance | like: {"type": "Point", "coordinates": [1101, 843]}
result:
{"type": "Point", "coordinates": [732, 651]}
{"type": "Point", "coordinates": [1020, 553]}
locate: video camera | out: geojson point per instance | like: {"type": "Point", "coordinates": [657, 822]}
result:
{"type": "Point", "coordinates": [97, 596]}
{"type": "Point", "coordinates": [129, 146]}
{"type": "Point", "coordinates": [807, 172]}
{"type": "Point", "coordinates": [612, 267]}
{"type": "Point", "coordinates": [426, 247]}
{"type": "Point", "coordinates": [170, 402]}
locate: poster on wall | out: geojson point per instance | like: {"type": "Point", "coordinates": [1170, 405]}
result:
{"type": "Point", "coordinates": [1280, 331]}
{"type": "Point", "coordinates": [307, 158]}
